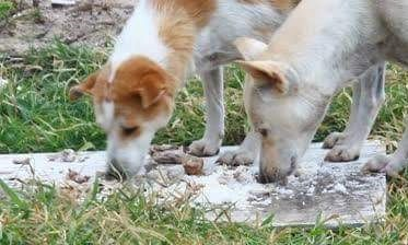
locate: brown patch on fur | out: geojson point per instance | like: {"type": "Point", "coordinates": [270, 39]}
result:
{"type": "Point", "coordinates": [268, 165]}
{"type": "Point", "coordinates": [84, 88]}
{"type": "Point", "coordinates": [198, 11]}
{"type": "Point", "coordinates": [265, 31]}
{"type": "Point", "coordinates": [88, 86]}
{"type": "Point", "coordinates": [265, 75]}
{"type": "Point", "coordinates": [283, 5]}
{"type": "Point", "coordinates": [179, 34]}
{"type": "Point", "coordinates": [180, 20]}
{"type": "Point", "coordinates": [141, 91]}
{"type": "Point", "coordinates": [140, 79]}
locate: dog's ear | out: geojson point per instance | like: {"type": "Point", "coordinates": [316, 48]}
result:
{"type": "Point", "coordinates": [268, 76]}
{"type": "Point", "coordinates": [84, 87]}
{"type": "Point", "coordinates": [152, 87]}
{"type": "Point", "coordinates": [250, 48]}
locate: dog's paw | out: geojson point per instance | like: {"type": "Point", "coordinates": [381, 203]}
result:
{"type": "Point", "coordinates": [390, 165]}
{"type": "Point", "coordinates": [343, 153]}
{"type": "Point", "coordinates": [333, 139]}
{"type": "Point", "coordinates": [204, 148]}
{"type": "Point", "coordinates": [236, 158]}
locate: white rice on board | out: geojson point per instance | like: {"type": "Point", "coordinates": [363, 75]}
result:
{"type": "Point", "coordinates": [237, 186]}
{"type": "Point", "coordinates": [219, 185]}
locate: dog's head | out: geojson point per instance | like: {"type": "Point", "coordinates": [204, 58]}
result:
{"type": "Point", "coordinates": [131, 102]}
{"type": "Point", "coordinates": [282, 108]}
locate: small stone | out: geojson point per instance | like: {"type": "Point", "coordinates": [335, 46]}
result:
{"type": "Point", "coordinates": [150, 166]}
{"type": "Point", "coordinates": [169, 157]}
{"type": "Point", "coordinates": [243, 175]}
{"type": "Point", "coordinates": [175, 173]}
{"type": "Point", "coordinates": [68, 155]}
{"type": "Point", "coordinates": [223, 180]}
{"type": "Point", "coordinates": [76, 177]}
{"type": "Point", "coordinates": [260, 193]}
{"type": "Point", "coordinates": [53, 158]}
{"type": "Point", "coordinates": [24, 161]}
{"type": "Point", "coordinates": [157, 148]}
{"type": "Point", "coordinates": [193, 165]}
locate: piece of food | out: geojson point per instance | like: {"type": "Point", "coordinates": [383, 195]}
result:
{"type": "Point", "coordinates": [169, 157]}
{"type": "Point", "coordinates": [24, 161]}
{"type": "Point", "coordinates": [77, 177]}
{"type": "Point", "coordinates": [193, 165]}
{"type": "Point", "coordinates": [67, 155]}
{"type": "Point", "coordinates": [157, 148]}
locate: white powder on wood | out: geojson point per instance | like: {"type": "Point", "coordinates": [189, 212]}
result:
{"type": "Point", "coordinates": [237, 186]}
{"type": "Point", "coordinates": [340, 188]}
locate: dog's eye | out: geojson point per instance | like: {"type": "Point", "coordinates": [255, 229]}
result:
{"type": "Point", "coordinates": [263, 132]}
{"type": "Point", "coordinates": [129, 130]}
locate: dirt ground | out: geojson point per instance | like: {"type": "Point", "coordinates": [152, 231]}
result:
{"type": "Point", "coordinates": [90, 22]}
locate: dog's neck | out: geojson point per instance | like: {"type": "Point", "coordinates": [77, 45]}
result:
{"type": "Point", "coordinates": [165, 32]}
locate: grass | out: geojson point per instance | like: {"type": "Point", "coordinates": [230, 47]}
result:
{"type": "Point", "coordinates": [6, 8]}
{"type": "Point", "coordinates": [36, 116]}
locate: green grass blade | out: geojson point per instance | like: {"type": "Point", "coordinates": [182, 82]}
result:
{"type": "Point", "coordinates": [12, 195]}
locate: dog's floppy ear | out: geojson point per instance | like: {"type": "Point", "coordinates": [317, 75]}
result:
{"type": "Point", "coordinates": [152, 87]}
{"type": "Point", "coordinates": [85, 87]}
{"type": "Point", "coordinates": [250, 48]}
{"type": "Point", "coordinates": [268, 75]}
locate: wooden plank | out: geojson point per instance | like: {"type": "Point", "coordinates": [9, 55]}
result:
{"type": "Point", "coordinates": [342, 194]}
{"type": "Point", "coordinates": [338, 193]}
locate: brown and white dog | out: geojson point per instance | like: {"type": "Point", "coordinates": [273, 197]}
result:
{"type": "Point", "coordinates": [134, 91]}
{"type": "Point", "coordinates": [307, 61]}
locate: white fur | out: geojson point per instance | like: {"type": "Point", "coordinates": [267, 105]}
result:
{"type": "Point", "coordinates": [368, 96]}
{"type": "Point", "coordinates": [129, 155]}
{"type": "Point", "coordinates": [140, 36]}
{"type": "Point", "coordinates": [105, 114]}
{"type": "Point", "coordinates": [311, 57]}
{"type": "Point", "coordinates": [230, 21]}
{"type": "Point", "coordinates": [215, 48]}
{"type": "Point", "coordinates": [342, 41]}
{"type": "Point", "coordinates": [252, 48]}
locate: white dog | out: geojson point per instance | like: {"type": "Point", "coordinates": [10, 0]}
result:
{"type": "Point", "coordinates": [134, 92]}
{"type": "Point", "coordinates": [321, 46]}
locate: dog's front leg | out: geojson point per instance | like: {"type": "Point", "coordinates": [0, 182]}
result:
{"type": "Point", "coordinates": [213, 85]}
{"type": "Point", "coordinates": [368, 96]}
{"type": "Point", "coordinates": [337, 138]}
{"type": "Point", "coordinates": [246, 154]}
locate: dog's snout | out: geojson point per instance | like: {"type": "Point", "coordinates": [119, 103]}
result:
{"type": "Point", "coordinates": [280, 179]}
{"type": "Point", "coordinates": [278, 174]}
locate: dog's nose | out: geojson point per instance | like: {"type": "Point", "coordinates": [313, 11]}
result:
{"type": "Point", "coordinates": [277, 177]}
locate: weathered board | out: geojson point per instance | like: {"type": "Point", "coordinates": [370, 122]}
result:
{"type": "Point", "coordinates": [334, 193]}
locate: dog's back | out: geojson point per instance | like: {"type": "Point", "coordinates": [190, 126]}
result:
{"type": "Point", "coordinates": [233, 19]}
